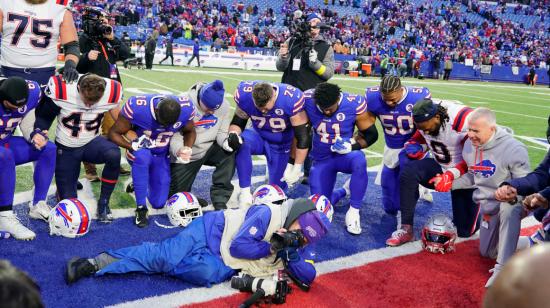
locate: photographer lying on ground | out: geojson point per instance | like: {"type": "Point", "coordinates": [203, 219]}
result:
{"type": "Point", "coordinates": [258, 241]}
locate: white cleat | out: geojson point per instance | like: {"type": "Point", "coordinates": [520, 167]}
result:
{"type": "Point", "coordinates": [495, 270]}
{"type": "Point", "coordinates": [425, 193]}
{"type": "Point", "coordinates": [245, 198]}
{"type": "Point", "coordinates": [353, 221]}
{"type": "Point", "coordinates": [40, 211]}
{"type": "Point", "coordinates": [9, 223]}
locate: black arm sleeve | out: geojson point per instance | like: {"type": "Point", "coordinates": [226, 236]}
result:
{"type": "Point", "coordinates": [303, 137]}
{"type": "Point", "coordinates": [370, 135]}
{"type": "Point", "coordinates": [240, 122]}
{"type": "Point", "coordinates": [46, 112]}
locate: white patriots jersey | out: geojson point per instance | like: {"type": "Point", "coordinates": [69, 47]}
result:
{"type": "Point", "coordinates": [31, 32]}
{"type": "Point", "coordinates": [78, 124]}
{"type": "Point", "coordinates": [447, 146]}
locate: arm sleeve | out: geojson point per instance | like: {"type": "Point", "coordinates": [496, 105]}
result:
{"type": "Point", "coordinates": [248, 243]}
{"type": "Point", "coordinates": [176, 143]}
{"type": "Point", "coordinates": [325, 69]}
{"type": "Point", "coordinates": [519, 164]}
{"type": "Point", "coordinates": [27, 124]}
{"type": "Point", "coordinates": [83, 65]}
{"type": "Point", "coordinates": [46, 113]}
{"type": "Point", "coordinates": [534, 181]}
{"type": "Point", "coordinates": [282, 63]}
{"type": "Point", "coordinates": [224, 126]}
{"type": "Point", "coordinates": [303, 268]}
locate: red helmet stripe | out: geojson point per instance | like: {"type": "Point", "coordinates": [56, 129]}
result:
{"type": "Point", "coordinates": [84, 217]}
{"type": "Point", "coordinates": [188, 197]}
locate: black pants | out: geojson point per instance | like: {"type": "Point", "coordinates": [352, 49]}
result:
{"type": "Point", "coordinates": [183, 175]}
{"type": "Point", "coordinates": [465, 210]}
{"type": "Point", "coordinates": [171, 56]}
{"type": "Point", "coordinates": [98, 151]}
{"type": "Point", "coordinates": [193, 57]}
{"type": "Point", "coordinates": [447, 74]}
{"type": "Point", "coordinates": [149, 60]}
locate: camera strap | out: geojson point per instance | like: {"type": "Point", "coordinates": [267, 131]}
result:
{"type": "Point", "coordinates": [112, 67]}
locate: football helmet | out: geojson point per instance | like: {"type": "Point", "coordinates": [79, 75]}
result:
{"type": "Point", "coordinates": [323, 205]}
{"type": "Point", "coordinates": [69, 218]}
{"type": "Point", "coordinates": [268, 194]}
{"type": "Point", "coordinates": [439, 234]}
{"type": "Point", "coordinates": [182, 208]}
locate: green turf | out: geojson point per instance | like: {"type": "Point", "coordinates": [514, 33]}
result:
{"type": "Point", "coordinates": [522, 108]}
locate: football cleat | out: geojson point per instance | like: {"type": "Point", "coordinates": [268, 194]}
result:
{"type": "Point", "coordinates": [142, 215]}
{"type": "Point", "coordinates": [399, 237]}
{"type": "Point", "coordinates": [245, 198]}
{"type": "Point", "coordinates": [353, 221]}
{"type": "Point", "coordinates": [78, 268]}
{"type": "Point", "coordinates": [10, 223]}
{"type": "Point", "coordinates": [40, 211]}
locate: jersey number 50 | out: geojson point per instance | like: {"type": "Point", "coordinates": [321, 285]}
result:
{"type": "Point", "coordinates": [391, 129]}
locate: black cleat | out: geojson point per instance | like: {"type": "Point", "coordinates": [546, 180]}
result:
{"type": "Point", "coordinates": [220, 206]}
{"type": "Point", "coordinates": [142, 219]}
{"type": "Point", "coordinates": [202, 202]}
{"type": "Point", "coordinates": [78, 268]}
{"type": "Point", "coordinates": [130, 188]}
{"type": "Point", "coordinates": [79, 185]}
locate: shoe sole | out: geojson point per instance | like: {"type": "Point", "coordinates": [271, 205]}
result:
{"type": "Point", "coordinates": [38, 217]}
{"type": "Point", "coordinates": [69, 273]}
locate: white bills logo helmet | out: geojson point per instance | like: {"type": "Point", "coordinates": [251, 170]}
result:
{"type": "Point", "coordinates": [69, 218]}
{"type": "Point", "coordinates": [182, 208]}
{"type": "Point", "coordinates": [268, 194]}
{"type": "Point", "coordinates": [323, 205]}
{"type": "Point", "coordinates": [439, 234]}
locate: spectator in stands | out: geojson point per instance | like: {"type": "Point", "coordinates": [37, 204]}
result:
{"type": "Point", "coordinates": [448, 67]}
{"type": "Point", "coordinates": [196, 51]}
{"type": "Point", "coordinates": [169, 51]}
{"type": "Point", "coordinates": [384, 65]}
{"type": "Point", "coordinates": [99, 56]}
{"type": "Point", "coordinates": [150, 46]}
{"type": "Point", "coordinates": [532, 74]}
{"type": "Point", "coordinates": [17, 289]}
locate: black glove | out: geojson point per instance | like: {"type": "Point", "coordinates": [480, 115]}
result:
{"type": "Point", "coordinates": [232, 143]}
{"type": "Point", "coordinates": [69, 71]}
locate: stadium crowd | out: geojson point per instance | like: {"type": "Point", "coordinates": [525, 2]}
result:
{"type": "Point", "coordinates": [397, 28]}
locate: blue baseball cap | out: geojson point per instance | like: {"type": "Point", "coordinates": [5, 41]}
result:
{"type": "Point", "coordinates": [312, 16]}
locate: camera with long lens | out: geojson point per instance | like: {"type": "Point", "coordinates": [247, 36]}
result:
{"type": "Point", "coordinates": [275, 291]}
{"type": "Point", "coordinates": [301, 31]}
{"type": "Point", "coordinates": [93, 25]}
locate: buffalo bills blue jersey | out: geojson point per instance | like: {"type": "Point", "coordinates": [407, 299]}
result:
{"type": "Point", "coordinates": [9, 120]}
{"type": "Point", "coordinates": [274, 126]}
{"type": "Point", "coordinates": [140, 111]}
{"type": "Point", "coordinates": [397, 121]}
{"type": "Point", "coordinates": [340, 124]}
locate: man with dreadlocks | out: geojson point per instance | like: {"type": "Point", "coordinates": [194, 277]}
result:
{"type": "Point", "coordinates": [392, 104]}
{"type": "Point", "coordinates": [442, 128]}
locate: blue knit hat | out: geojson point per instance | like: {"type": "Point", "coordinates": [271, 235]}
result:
{"type": "Point", "coordinates": [312, 16]}
{"type": "Point", "coordinates": [212, 94]}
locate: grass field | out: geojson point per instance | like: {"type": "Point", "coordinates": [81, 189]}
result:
{"type": "Point", "coordinates": [522, 108]}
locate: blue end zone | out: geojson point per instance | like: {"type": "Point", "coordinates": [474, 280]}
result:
{"type": "Point", "coordinates": [45, 257]}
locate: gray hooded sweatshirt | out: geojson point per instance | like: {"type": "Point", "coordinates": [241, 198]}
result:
{"type": "Point", "coordinates": [501, 159]}
{"type": "Point", "coordinates": [206, 136]}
